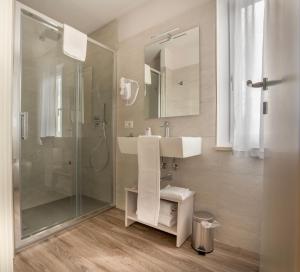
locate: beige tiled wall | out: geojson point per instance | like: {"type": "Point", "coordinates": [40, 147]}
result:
{"type": "Point", "coordinates": [96, 163]}
{"type": "Point", "coordinates": [45, 169]}
{"type": "Point", "coordinates": [227, 186]}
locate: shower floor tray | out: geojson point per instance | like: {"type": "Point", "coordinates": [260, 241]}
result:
{"type": "Point", "coordinates": [50, 214]}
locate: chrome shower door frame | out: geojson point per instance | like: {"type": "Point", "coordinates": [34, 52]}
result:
{"type": "Point", "coordinates": [16, 125]}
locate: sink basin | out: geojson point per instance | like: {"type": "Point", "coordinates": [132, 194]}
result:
{"type": "Point", "coordinates": [174, 147]}
{"type": "Point", "coordinates": [180, 147]}
{"type": "Point", "coordinates": [128, 145]}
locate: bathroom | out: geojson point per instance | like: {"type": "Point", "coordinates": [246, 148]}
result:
{"type": "Point", "coordinates": [123, 109]}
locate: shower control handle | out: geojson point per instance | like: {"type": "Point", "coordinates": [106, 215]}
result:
{"type": "Point", "coordinates": [24, 125]}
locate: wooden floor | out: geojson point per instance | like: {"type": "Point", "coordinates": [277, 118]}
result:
{"type": "Point", "coordinates": [104, 244]}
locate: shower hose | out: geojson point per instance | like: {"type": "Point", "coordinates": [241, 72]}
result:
{"type": "Point", "coordinates": [102, 140]}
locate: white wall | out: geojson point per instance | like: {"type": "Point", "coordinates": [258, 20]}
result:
{"type": "Point", "coordinates": [151, 14]}
{"type": "Point", "coordinates": [6, 212]}
{"type": "Point", "coordinates": [179, 57]}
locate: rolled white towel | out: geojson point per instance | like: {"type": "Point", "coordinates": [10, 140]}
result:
{"type": "Point", "coordinates": [167, 207]}
{"type": "Point", "coordinates": [176, 193]}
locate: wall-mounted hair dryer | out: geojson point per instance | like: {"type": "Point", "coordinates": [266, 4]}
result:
{"type": "Point", "coordinates": [127, 92]}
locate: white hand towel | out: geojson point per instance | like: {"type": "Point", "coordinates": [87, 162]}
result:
{"type": "Point", "coordinates": [75, 43]}
{"type": "Point", "coordinates": [148, 201]}
{"type": "Point", "coordinates": [147, 74]}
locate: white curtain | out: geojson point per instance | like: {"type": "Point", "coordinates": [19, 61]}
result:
{"type": "Point", "coordinates": [51, 100]}
{"type": "Point", "coordinates": [48, 103]}
{"type": "Point", "coordinates": [246, 63]}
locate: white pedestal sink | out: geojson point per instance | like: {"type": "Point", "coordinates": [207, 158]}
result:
{"type": "Point", "coordinates": [174, 147]}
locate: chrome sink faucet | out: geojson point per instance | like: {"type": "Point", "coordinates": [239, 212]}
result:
{"type": "Point", "coordinates": [165, 125]}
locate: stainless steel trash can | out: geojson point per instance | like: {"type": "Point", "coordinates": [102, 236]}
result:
{"type": "Point", "coordinates": [202, 238]}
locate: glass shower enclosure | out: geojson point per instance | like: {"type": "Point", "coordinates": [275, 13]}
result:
{"type": "Point", "coordinates": [62, 129]}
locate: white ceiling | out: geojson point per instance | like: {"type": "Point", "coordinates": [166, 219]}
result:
{"type": "Point", "coordinates": [85, 15]}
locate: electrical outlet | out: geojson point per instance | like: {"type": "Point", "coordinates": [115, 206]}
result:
{"type": "Point", "coordinates": [128, 124]}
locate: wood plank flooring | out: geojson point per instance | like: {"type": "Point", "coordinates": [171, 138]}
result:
{"type": "Point", "coordinates": [103, 243]}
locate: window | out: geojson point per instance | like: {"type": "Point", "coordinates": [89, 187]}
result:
{"type": "Point", "coordinates": [58, 96]}
{"type": "Point", "coordinates": [240, 57]}
{"type": "Point", "coordinates": [223, 76]}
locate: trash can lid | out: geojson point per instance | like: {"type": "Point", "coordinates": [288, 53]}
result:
{"type": "Point", "coordinates": [202, 215]}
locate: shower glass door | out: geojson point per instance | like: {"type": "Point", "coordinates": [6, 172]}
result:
{"type": "Point", "coordinates": [47, 149]}
{"type": "Point", "coordinates": [63, 130]}
{"type": "Point", "coordinates": [95, 145]}
{"type": "Point", "coordinates": [63, 138]}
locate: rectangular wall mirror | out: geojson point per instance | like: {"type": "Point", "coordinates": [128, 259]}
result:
{"type": "Point", "coordinates": [172, 75]}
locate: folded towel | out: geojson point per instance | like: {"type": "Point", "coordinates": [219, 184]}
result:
{"type": "Point", "coordinates": [176, 193]}
{"type": "Point", "coordinates": [167, 208]}
{"type": "Point", "coordinates": [148, 201]}
{"type": "Point", "coordinates": [166, 220]}
{"type": "Point", "coordinates": [75, 43]}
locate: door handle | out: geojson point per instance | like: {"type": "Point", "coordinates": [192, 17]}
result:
{"type": "Point", "coordinates": [24, 125]}
{"type": "Point", "coordinates": [264, 84]}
